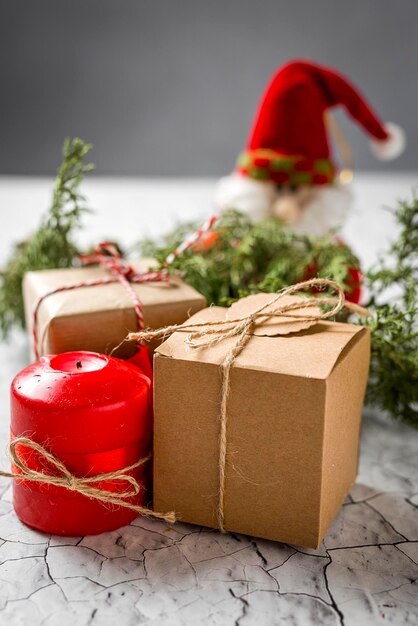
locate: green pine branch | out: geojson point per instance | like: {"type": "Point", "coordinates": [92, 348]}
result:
{"type": "Point", "coordinates": [247, 258]}
{"type": "Point", "coordinates": [393, 285]}
{"type": "Point", "coordinates": [51, 245]}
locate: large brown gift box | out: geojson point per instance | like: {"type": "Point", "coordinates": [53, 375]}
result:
{"type": "Point", "coordinates": [293, 422]}
{"type": "Point", "coordinates": [98, 318]}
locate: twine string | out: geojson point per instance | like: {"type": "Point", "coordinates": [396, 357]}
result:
{"type": "Point", "coordinates": [223, 329]}
{"type": "Point", "coordinates": [208, 334]}
{"type": "Point", "coordinates": [83, 485]}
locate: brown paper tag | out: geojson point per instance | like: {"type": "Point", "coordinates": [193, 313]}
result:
{"type": "Point", "coordinates": [274, 326]}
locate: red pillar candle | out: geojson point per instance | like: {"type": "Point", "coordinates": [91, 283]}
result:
{"type": "Point", "coordinates": [92, 412]}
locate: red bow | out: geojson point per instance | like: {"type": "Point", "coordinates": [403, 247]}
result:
{"type": "Point", "coordinates": [107, 255]}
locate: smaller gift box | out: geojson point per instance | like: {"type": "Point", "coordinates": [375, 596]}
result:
{"type": "Point", "coordinates": [292, 398]}
{"type": "Point", "coordinates": [98, 317]}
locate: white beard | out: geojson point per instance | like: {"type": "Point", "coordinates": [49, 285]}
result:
{"type": "Point", "coordinates": [308, 210]}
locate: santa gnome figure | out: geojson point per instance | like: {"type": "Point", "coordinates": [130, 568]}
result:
{"type": "Point", "coordinates": [287, 168]}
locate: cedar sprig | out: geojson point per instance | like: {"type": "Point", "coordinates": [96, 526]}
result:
{"type": "Point", "coordinates": [51, 246]}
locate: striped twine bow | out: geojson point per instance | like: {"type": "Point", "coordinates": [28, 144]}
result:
{"type": "Point", "coordinates": [106, 255]}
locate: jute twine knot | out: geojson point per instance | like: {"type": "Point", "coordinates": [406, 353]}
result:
{"type": "Point", "coordinates": [60, 476]}
{"type": "Point", "coordinates": [208, 334]}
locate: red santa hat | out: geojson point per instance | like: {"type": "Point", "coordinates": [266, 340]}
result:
{"type": "Point", "coordinates": [288, 144]}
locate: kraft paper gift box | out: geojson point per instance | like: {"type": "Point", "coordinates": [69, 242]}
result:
{"type": "Point", "coordinates": [98, 318]}
{"type": "Point", "coordinates": [293, 424]}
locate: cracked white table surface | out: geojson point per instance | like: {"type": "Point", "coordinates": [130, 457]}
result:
{"type": "Point", "coordinates": [364, 574]}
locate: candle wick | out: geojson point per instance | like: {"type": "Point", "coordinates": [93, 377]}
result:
{"type": "Point", "coordinates": [78, 364]}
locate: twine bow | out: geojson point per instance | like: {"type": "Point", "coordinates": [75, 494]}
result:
{"type": "Point", "coordinates": [62, 477]}
{"type": "Point", "coordinates": [208, 334]}
{"type": "Point", "coordinates": [107, 255]}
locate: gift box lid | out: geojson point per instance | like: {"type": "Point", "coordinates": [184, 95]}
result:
{"type": "Point", "coordinates": [308, 353]}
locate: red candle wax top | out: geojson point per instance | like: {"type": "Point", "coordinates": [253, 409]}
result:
{"type": "Point", "coordinates": [71, 400]}
{"type": "Point", "coordinates": [78, 362]}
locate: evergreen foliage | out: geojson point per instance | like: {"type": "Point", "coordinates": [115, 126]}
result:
{"type": "Point", "coordinates": [393, 285]}
{"type": "Point", "coordinates": [51, 245]}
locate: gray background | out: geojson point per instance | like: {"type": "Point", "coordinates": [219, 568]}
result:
{"type": "Point", "coordinates": [169, 88]}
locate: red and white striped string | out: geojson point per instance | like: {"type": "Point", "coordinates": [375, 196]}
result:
{"type": "Point", "coordinates": [189, 241]}
{"type": "Point", "coordinates": [107, 255]}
